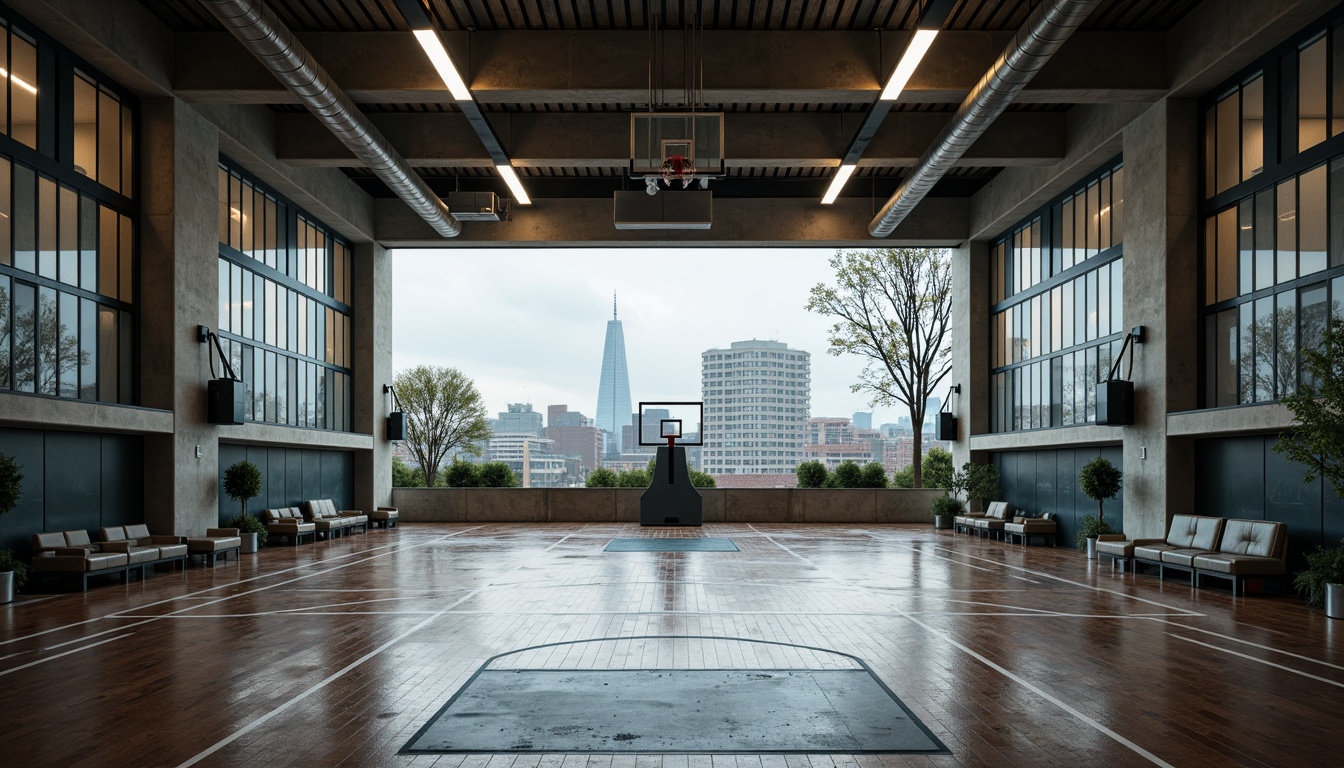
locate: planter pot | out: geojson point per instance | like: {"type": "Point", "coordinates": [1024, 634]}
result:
{"type": "Point", "coordinates": [7, 587]}
{"type": "Point", "coordinates": [249, 543]}
{"type": "Point", "coordinates": [942, 522]}
{"type": "Point", "coordinates": [1334, 601]}
{"type": "Point", "coordinates": [1091, 547]}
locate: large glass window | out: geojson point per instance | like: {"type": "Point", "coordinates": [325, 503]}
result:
{"type": "Point", "coordinates": [1273, 257]}
{"type": "Point", "coordinates": [1058, 320]}
{"type": "Point", "coordinates": [284, 314]}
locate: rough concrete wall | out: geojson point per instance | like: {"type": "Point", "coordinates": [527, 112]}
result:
{"type": "Point", "coordinates": [1161, 171]}
{"type": "Point", "coordinates": [372, 349]}
{"type": "Point", "coordinates": [178, 291]}
{"type": "Point", "coordinates": [970, 345]}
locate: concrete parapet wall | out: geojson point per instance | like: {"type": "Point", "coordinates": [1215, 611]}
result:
{"type": "Point", "coordinates": [621, 505]}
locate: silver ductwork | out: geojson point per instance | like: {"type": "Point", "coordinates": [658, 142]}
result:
{"type": "Point", "coordinates": [262, 33]}
{"type": "Point", "coordinates": [1046, 30]}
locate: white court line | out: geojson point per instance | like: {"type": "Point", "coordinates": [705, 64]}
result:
{"type": "Point", "coordinates": [1253, 645]}
{"type": "Point", "coordinates": [1257, 661]}
{"type": "Point", "coordinates": [67, 653]}
{"type": "Point", "coordinates": [880, 614]}
{"type": "Point", "coordinates": [190, 595]}
{"type": "Point", "coordinates": [227, 740]}
{"type": "Point", "coordinates": [1020, 680]}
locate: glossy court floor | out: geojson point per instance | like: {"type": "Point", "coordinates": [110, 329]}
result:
{"type": "Point", "coordinates": [338, 653]}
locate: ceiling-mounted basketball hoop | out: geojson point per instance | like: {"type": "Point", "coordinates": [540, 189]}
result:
{"type": "Point", "coordinates": [676, 144]}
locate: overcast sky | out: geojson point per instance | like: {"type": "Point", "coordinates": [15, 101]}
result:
{"type": "Point", "coordinates": [528, 325]}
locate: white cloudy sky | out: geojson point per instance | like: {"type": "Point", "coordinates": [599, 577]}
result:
{"type": "Point", "coordinates": [528, 325]}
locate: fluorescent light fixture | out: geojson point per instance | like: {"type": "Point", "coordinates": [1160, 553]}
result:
{"type": "Point", "coordinates": [19, 81]}
{"type": "Point", "coordinates": [914, 53]}
{"type": "Point", "coordinates": [515, 186]}
{"type": "Point", "coordinates": [842, 175]}
{"type": "Point", "coordinates": [438, 56]}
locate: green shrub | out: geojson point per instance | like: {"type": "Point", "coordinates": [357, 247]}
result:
{"type": "Point", "coordinates": [1090, 527]}
{"type": "Point", "coordinates": [406, 476]}
{"type": "Point", "coordinates": [947, 506]}
{"type": "Point", "coordinates": [634, 478]}
{"type": "Point", "coordinates": [497, 474]}
{"type": "Point", "coordinates": [904, 478]}
{"type": "Point", "coordinates": [463, 474]}
{"type": "Point", "coordinates": [702, 479]}
{"type": "Point", "coordinates": [1324, 566]}
{"type": "Point", "coordinates": [603, 478]}
{"type": "Point", "coordinates": [811, 474]}
{"type": "Point", "coordinates": [873, 475]}
{"type": "Point", "coordinates": [246, 523]}
{"type": "Point", "coordinates": [848, 474]}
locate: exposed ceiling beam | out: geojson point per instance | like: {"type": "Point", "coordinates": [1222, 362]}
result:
{"type": "Point", "coordinates": [611, 67]}
{"type": "Point", "coordinates": [602, 140]}
{"type": "Point", "coordinates": [737, 223]}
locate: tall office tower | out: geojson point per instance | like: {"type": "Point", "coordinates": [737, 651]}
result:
{"type": "Point", "coordinates": [757, 398]}
{"type": "Point", "coordinates": [519, 418]}
{"type": "Point", "coordinates": [613, 391]}
{"type": "Point", "coordinates": [863, 419]}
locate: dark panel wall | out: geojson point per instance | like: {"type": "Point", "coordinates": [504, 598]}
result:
{"type": "Point", "coordinates": [1243, 477]}
{"type": "Point", "coordinates": [72, 480]}
{"type": "Point", "coordinates": [289, 477]}
{"type": "Point", "coordinates": [1047, 481]}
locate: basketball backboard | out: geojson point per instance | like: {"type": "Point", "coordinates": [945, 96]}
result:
{"type": "Point", "coordinates": [680, 421]}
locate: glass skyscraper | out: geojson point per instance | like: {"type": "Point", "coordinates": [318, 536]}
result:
{"type": "Point", "coordinates": [613, 391]}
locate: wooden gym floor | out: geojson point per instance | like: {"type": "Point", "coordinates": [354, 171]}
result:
{"type": "Point", "coordinates": [337, 653]}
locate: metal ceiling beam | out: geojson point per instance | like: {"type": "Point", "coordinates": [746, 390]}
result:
{"type": "Point", "coordinates": [602, 140]}
{"type": "Point", "coordinates": [738, 222]}
{"type": "Point", "coordinates": [610, 67]}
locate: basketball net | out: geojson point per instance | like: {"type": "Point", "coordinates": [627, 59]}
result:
{"type": "Point", "coordinates": [678, 167]}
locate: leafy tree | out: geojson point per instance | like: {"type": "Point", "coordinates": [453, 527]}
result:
{"type": "Point", "coordinates": [462, 474]}
{"type": "Point", "coordinates": [893, 307]}
{"type": "Point", "coordinates": [980, 482]}
{"type": "Point", "coordinates": [848, 475]}
{"type": "Point", "coordinates": [903, 478]}
{"type": "Point", "coordinates": [242, 481]}
{"type": "Point", "coordinates": [1099, 480]}
{"type": "Point", "coordinates": [497, 474]}
{"type": "Point", "coordinates": [938, 462]}
{"type": "Point", "coordinates": [444, 411]}
{"type": "Point", "coordinates": [406, 476]}
{"type": "Point", "coordinates": [873, 475]}
{"type": "Point", "coordinates": [1317, 439]}
{"type": "Point", "coordinates": [811, 474]}
{"type": "Point", "coordinates": [702, 479]}
{"type": "Point", "coordinates": [603, 478]}
{"type": "Point", "coordinates": [39, 337]}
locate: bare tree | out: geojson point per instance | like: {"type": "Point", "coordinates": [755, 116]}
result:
{"type": "Point", "coordinates": [443, 411]}
{"type": "Point", "coordinates": [892, 306]}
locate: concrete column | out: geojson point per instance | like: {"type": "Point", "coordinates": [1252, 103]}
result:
{"type": "Point", "coordinates": [372, 349]}
{"type": "Point", "coordinates": [179, 281]}
{"type": "Point", "coordinates": [970, 345]}
{"type": "Point", "coordinates": [1161, 283]}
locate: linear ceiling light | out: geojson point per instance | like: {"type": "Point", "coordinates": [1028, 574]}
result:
{"type": "Point", "coordinates": [842, 175]}
{"type": "Point", "coordinates": [905, 68]}
{"type": "Point", "coordinates": [515, 186]}
{"type": "Point", "coordinates": [438, 56]}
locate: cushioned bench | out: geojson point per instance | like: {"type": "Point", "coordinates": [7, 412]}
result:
{"type": "Point", "coordinates": [347, 520]}
{"type": "Point", "coordinates": [216, 543]}
{"type": "Point", "coordinates": [998, 510]}
{"type": "Point", "coordinates": [385, 517]}
{"type": "Point", "coordinates": [72, 554]}
{"type": "Point", "coordinates": [999, 514]}
{"type": "Point", "coordinates": [142, 550]}
{"type": "Point", "coordinates": [1023, 528]}
{"type": "Point", "coordinates": [289, 523]}
{"type": "Point", "coordinates": [1248, 549]}
{"type": "Point", "coordinates": [1188, 537]}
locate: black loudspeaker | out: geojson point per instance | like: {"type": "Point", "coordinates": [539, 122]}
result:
{"type": "Point", "coordinates": [396, 425]}
{"type": "Point", "coordinates": [225, 401]}
{"type": "Point", "coordinates": [947, 426]}
{"type": "Point", "coordinates": [1115, 403]}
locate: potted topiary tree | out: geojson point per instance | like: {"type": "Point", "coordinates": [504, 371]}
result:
{"type": "Point", "coordinates": [1100, 480]}
{"type": "Point", "coordinates": [945, 509]}
{"type": "Point", "coordinates": [242, 482]}
{"type": "Point", "coordinates": [13, 571]}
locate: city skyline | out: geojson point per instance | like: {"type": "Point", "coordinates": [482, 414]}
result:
{"type": "Point", "coordinates": [528, 328]}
